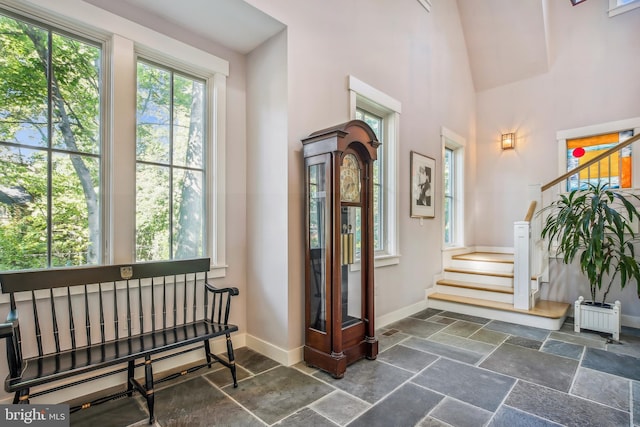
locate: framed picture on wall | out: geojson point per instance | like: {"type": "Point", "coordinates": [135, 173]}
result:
{"type": "Point", "coordinates": [423, 174]}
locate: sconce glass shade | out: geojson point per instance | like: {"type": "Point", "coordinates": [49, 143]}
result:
{"type": "Point", "coordinates": [508, 141]}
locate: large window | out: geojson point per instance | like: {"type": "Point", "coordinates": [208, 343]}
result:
{"type": "Point", "coordinates": [50, 147]}
{"type": "Point", "coordinates": [170, 172]}
{"type": "Point", "coordinates": [105, 158]}
{"type": "Point", "coordinates": [382, 114]}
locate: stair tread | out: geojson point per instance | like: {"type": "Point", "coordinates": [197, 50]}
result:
{"type": "Point", "coordinates": [477, 286]}
{"type": "Point", "coordinates": [486, 257]}
{"type": "Point", "coordinates": [480, 272]}
{"type": "Point", "coordinates": [543, 308]}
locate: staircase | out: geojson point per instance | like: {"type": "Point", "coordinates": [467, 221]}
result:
{"type": "Point", "coordinates": [481, 284]}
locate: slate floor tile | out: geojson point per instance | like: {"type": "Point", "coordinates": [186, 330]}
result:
{"type": "Point", "coordinates": [189, 404]}
{"type": "Point", "coordinates": [306, 417]}
{"type": "Point", "coordinates": [425, 314]}
{"type": "Point", "coordinates": [369, 380]}
{"type": "Point", "coordinates": [612, 363]}
{"type": "Point", "coordinates": [635, 391]}
{"type": "Point", "coordinates": [473, 385]}
{"type": "Point", "coordinates": [407, 358]}
{"type": "Point", "coordinates": [563, 408]}
{"type": "Point", "coordinates": [117, 413]}
{"type": "Point", "coordinates": [468, 318]}
{"type": "Point", "coordinates": [451, 352]}
{"type": "Point", "coordinates": [388, 341]}
{"type": "Point", "coordinates": [463, 343]}
{"type": "Point", "coordinates": [524, 342]}
{"type": "Point", "coordinates": [277, 393]}
{"type": "Point", "coordinates": [222, 377]}
{"type": "Point", "coordinates": [518, 330]}
{"type": "Point", "coordinates": [340, 407]}
{"type": "Point", "coordinates": [432, 422]}
{"type": "Point", "coordinates": [253, 361]}
{"type": "Point", "coordinates": [560, 348]}
{"type": "Point", "coordinates": [531, 365]}
{"type": "Point", "coordinates": [404, 407]}
{"type": "Point", "coordinates": [507, 416]}
{"type": "Point", "coordinates": [604, 388]}
{"type": "Point", "coordinates": [460, 414]}
{"type": "Point", "coordinates": [462, 328]}
{"type": "Point", "coordinates": [417, 327]}
{"type": "Point", "coordinates": [488, 336]}
{"type": "Point", "coordinates": [578, 339]}
{"type": "Point", "coordinates": [443, 320]}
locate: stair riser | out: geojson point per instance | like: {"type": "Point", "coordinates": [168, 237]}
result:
{"type": "Point", "coordinates": [498, 267]}
{"type": "Point", "coordinates": [479, 278]}
{"type": "Point", "coordinates": [489, 313]}
{"type": "Point", "coordinates": [475, 293]}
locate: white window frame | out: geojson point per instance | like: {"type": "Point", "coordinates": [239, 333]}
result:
{"type": "Point", "coordinates": [122, 41]}
{"type": "Point", "coordinates": [371, 99]}
{"type": "Point", "coordinates": [457, 143]}
{"type": "Point", "coordinates": [616, 126]}
{"type": "Point", "coordinates": [616, 7]}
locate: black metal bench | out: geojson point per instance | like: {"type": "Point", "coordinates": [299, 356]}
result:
{"type": "Point", "coordinates": [79, 320]}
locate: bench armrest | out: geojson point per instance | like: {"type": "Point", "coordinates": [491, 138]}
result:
{"type": "Point", "coordinates": [11, 333]}
{"type": "Point", "coordinates": [232, 291]}
{"type": "Point", "coordinates": [6, 330]}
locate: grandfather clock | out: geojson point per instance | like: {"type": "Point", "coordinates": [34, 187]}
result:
{"type": "Point", "coordinates": [339, 315]}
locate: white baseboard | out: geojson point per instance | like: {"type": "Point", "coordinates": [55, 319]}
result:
{"type": "Point", "coordinates": [280, 355]}
{"type": "Point", "coordinates": [394, 316]}
{"type": "Point", "coordinates": [219, 345]}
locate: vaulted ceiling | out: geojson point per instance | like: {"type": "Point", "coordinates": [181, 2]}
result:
{"type": "Point", "coordinates": [506, 39]}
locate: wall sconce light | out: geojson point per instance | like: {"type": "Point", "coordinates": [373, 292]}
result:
{"type": "Point", "coordinates": [575, 2]}
{"type": "Point", "coordinates": [508, 141]}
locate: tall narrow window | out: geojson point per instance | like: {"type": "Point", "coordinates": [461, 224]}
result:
{"type": "Point", "coordinates": [50, 147]}
{"type": "Point", "coordinates": [170, 158]}
{"type": "Point", "coordinates": [376, 123]}
{"type": "Point", "coordinates": [453, 188]}
{"type": "Point", "coordinates": [449, 197]}
{"type": "Point", "coordinates": [382, 113]}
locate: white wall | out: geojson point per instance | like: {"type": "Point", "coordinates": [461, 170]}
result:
{"type": "Point", "coordinates": [416, 57]}
{"type": "Point", "coordinates": [593, 79]}
{"type": "Point", "coordinates": [267, 191]}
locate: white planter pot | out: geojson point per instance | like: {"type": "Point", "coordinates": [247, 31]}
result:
{"type": "Point", "coordinates": [601, 319]}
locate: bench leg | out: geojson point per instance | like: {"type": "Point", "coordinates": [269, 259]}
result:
{"type": "Point", "coordinates": [207, 352]}
{"type": "Point", "coordinates": [130, 373]}
{"type": "Point", "coordinates": [148, 385]}
{"type": "Point", "coordinates": [21, 396]}
{"type": "Point", "coordinates": [232, 363]}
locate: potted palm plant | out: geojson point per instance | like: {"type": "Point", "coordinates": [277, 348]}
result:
{"type": "Point", "coordinates": [595, 225]}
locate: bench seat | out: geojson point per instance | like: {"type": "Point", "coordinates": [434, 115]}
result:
{"type": "Point", "coordinates": [53, 367]}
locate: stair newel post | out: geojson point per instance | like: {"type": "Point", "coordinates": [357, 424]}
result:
{"type": "Point", "coordinates": [521, 265]}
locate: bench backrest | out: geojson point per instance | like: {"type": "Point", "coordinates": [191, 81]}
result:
{"type": "Point", "coordinates": [70, 308]}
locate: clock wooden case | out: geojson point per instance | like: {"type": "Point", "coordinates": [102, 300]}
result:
{"type": "Point", "coordinates": [339, 308]}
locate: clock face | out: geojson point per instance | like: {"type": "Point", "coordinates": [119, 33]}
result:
{"type": "Point", "coordinates": [350, 179]}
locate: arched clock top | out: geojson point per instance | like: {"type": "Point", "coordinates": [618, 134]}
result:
{"type": "Point", "coordinates": [354, 133]}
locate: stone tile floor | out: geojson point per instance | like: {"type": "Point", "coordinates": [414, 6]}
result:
{"type": "Point", "coordinates": [434, 369]}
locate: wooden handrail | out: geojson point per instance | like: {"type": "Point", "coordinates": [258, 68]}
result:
{"type": "Point", "coordinates": [596, 159]}
{"type": "Point", "coordinates": [531, 211]}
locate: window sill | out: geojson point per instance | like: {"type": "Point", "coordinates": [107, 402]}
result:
{"type": "Point", "coordinates": [379, 261]}
{"type": "Point", "coordinates": [614, 11]}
